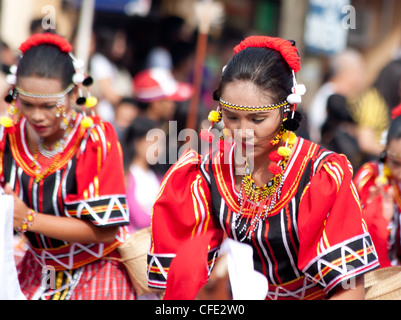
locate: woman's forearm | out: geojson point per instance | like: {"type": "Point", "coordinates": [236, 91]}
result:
{"type": "Point", "coordinates": [72, 229]}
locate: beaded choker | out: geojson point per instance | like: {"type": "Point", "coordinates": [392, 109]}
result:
{"type": "Point", "coordinates": [257, 202]}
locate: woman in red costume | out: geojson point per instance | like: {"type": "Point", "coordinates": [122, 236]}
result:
{"type": "Point", "coordinates": [379, 187]}
{"type": "Point", "coordinates": [64, 169]}
{"type": "Point", "coordinates": [292, 201]}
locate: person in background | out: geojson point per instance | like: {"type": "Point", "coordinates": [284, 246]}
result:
{"type": "Point", "coordinates": [379, 188]}
{"type": "Point", "coordinates": [172, 30]}
{"type": "Point", "coordinates": [142, 182]}
{"type": "Point", "coordinates": [339, 131]}
{"type": "Point", "coordinates": [345, 77]}
{"type": "Point", "coordinates": [371, 111]}
{"type": "Point", "coordinates": [125, 112]}
{"type": "Point", "coordinates": [108, 67]}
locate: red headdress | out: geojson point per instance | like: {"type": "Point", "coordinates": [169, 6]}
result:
{"type": "Point", "coordinates": [285, 47]}
{"type": "Point", "coordinates": [46, 38]}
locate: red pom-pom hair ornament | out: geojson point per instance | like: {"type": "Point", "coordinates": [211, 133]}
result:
{"type": "Point", "coordinates": [46, 38]}
{"type": "Point", "coordinates": [285, 47]}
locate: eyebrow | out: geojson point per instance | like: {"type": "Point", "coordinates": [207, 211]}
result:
{"type": "Point", "coordinates": [31, 103]}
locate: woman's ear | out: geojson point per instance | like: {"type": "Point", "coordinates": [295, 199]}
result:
{"type": "Point", "coordinates": [74, 96]}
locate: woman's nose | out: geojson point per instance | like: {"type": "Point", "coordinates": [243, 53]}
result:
{"type": "Point", "coordinates": [37, 115]}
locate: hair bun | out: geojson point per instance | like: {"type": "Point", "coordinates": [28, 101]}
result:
{"type": "Point", "coordinates": [292, 124]}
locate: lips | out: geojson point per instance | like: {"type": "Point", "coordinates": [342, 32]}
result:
{"type": "Point", "coordinates": [39, 128]}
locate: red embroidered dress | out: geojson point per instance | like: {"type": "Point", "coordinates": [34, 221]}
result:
{"type": "Point", "coordinates": [85, 182]}
{"type": "Point", "coordinates": [313, 238]}
{"type": "Point", "coordinates": [385, 234]}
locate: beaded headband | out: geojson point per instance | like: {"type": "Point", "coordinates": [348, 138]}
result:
{"type": "Point", "coordinates": [254, 108]}
{"type": "Point", "coordinates": [45, 95]}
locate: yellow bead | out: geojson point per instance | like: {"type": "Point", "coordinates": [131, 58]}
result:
{"type": "Point", "coordinates": [284, 151]}
{"type": "Point", "coordinates": [292, 138]}
{"type": "Point", "coordinates": [381, 180]}
{"type": "Point", "coordinates": [87, 122]}
{"type": "Point", "coordinates": [6, 122]}
{"type": "Point", "coordinates": [386, 171]}
{"type": "Point", "coordinates": [90, 102]}
{"type": "Point", "coordinates": [213, 116]}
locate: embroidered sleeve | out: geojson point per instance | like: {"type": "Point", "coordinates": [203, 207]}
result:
{"type": "Point", "coordinates": [100, 195]}
{"type": "Point", "coordinates": [181, 212]}
{"type": "Point", "coordinates": [334, 242]}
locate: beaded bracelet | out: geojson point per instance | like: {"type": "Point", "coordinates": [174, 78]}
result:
{"type": "Point", "coordinates": [26, 224]}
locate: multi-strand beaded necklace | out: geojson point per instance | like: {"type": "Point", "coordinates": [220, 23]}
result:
{"type": "Point", "coordinates": [257, 202]}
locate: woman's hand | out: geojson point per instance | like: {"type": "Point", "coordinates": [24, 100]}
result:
{"type": "Point", "coordinates": [20, 208]}
{"type": "Point", "coordinates": [387, 196]}
{"type": "Point", "coordinates": [61, 228]}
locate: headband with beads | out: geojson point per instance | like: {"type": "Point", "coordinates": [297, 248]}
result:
{"type": "Point", "coordinates": [79, 78]}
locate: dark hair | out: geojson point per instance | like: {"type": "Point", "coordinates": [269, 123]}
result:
{"type": "Point", "coordinates": [47, 61]}
{"type": "Point", "coordinates": [388, 83]}
{"type": "Point", "coordinates": [394, 132]}
{"type": "Point", "coordinates": [138, 129]}
{"type": "Point", "coordinates": [263, 67]}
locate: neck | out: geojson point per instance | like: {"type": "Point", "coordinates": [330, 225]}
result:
{"type": "Point", "coordinates": [142, 163]}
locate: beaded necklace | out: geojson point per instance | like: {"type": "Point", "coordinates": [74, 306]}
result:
{"type": "Point", "coordinates": [47, 158]}
{"type": "Point", "coordinates": [58, 147]}
{"type": "Point", "coordinates": [257, 202]}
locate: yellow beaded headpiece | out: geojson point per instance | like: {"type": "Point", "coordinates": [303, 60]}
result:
{"type": "Point", "coordinates": [254, 108]}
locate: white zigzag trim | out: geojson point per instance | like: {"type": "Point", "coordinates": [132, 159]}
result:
{"type": "Point", "coordinates": [83, 204]}
{"type": "Point", "coordinates": [345, 250]}
{"type": "Point", "coordinates": [75, 249]}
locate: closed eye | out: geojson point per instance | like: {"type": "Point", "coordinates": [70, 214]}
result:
{"type": "Point", "coordinates": [258, 120]}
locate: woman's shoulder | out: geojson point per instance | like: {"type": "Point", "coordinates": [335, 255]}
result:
{"type": "Point", "coordinates": [322, 157]}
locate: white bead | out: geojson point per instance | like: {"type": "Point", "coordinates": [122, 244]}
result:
{"type": "Point", "coordinates": [294, 98]}
{"type": "Point", "coordinates": [78, 64]}
{"type": "Point", "coordinates": [11, 79]}
{"type": "Point", "coordinates": [13, 69]}
{"type": "Point", "coordinates": [78, 78]}
{"type": "Point", "coordinates": [299, 89]}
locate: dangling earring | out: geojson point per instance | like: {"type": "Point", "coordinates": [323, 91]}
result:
{"type": "Point", "coordinates": [278, 137]}
{"type": "Point", "coordinates": [60, 111]}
